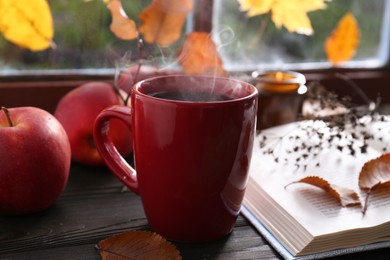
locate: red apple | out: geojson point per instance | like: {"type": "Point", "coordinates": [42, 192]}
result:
{"type": "Point", "coordinates": [134, 73]}
{"type": "Point", "coordinates": [77, 112]}
{"type": "Point", "coordinates": [34, 160]}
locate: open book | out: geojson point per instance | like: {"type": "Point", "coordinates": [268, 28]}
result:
{"type": "Point", "coordinates": [301, 220]}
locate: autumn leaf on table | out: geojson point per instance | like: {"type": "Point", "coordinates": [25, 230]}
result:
{"type": "Point", "coordinates": [346, 196]}
{"type": "Point", "coordinates": [162, 21]}
{"type": "Point", "coordinates": [121, 25]}
{"type": "Point", "coordinates": [27, 23]}
{"type": "Point", "coordinates": [292, 14]}
{"type": "Point", "coordinates": [375, 174]}
{"type": "Point", "coordinates": [199, 55]}
{"type": "Point", "coordinates": [342, 43]}
{"type": "Point", "coordinates": [137, 245]}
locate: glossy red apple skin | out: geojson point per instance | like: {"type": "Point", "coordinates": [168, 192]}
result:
{"type": "Point", "coordinates": [77, 112]}
{"type": "Point", "coordinates": [34, 160]}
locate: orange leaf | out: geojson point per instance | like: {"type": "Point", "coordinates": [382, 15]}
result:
{"type": "Point", "coordinates": [137, 245]}
{"type": "Point", "coordinates": [343, 42]}
{"type": "Point", "coordinates": [122, 26]}
{"type": "Point", "coordinates": [199, 55]}
{"type": "Point", "coordinates": [162, 21]}
{"type": "Point", "coordinates": [375, 174]}
{"type": "Point", "coordinates": [345, 196]}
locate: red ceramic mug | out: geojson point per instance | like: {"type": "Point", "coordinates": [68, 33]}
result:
{"type": "Point", "coordinates": [191, 153]}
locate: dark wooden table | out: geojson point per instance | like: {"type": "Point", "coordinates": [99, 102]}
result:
{"type": "Point", "coordinates": [94, 207]}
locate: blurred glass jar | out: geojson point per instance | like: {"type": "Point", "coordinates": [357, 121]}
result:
{"type": "Point", "coordinates": [280, 97]}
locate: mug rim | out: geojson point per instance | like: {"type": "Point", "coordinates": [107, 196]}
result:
{"type": "Point", "coordinates": [251, 94]}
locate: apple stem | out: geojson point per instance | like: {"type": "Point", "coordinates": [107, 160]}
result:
{"type": "Point", "coordinates": [116, 88]}
{"type": "Point", "coordinates": [6, 112]}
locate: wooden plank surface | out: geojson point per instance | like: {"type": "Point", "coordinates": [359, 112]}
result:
{"type": "Point", "coordinates": [93, 207]}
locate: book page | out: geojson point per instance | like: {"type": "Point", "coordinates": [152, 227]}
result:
{"type": "Point", "coordinates": [286, 154]}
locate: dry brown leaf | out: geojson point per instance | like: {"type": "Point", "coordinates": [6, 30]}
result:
{"type": "Point", "coordinates": [199, 55]}
{"type": "Point", "coordinates": [137, 245]}
{"type": "Point", "coordinates": [346, 196]}
{"type": "Point", "coordinates": [343, 42]}
{"type": "Point", "coordinates": [162, 21]}
{"type": "Point", "coordinates": [121, 25]}
{"type": "Point", "coordinates": [375, 174]}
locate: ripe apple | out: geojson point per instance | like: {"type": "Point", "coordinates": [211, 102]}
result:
{"type": "Point", "coordinates": [34, 160]}
{"type": "Point", "coordinates": [77, 112]}
{"type": "Point", "coordinates": [135, 73]}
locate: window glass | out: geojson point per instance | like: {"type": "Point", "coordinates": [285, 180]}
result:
{"type": "Point", "coordinates": [249, 43]}
{"type": "Point", "coordinates": [82, 37]}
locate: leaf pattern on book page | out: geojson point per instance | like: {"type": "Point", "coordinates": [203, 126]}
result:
{"type": "Point", "coordinates": [346, 196]}
{"type": "Point", "coordinates": [375, 174]}
{"type": "Point", "coordinates": [137, 245]}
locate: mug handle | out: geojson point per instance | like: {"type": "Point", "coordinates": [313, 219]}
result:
{"type": "Point", "coordinates": [115, 162]}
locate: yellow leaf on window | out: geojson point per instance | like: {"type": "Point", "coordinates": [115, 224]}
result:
{"type": "Point", "coordinates": [256, 7]}
{"type": "Point", "coordinates": [199, 55]}
{"type": "Point", "coordinates": [122, 26]}
{"type": "Point", "coordinates": [27, 23]}
{"type": "Point", "coordinates": [342, 43]}
{"type": "Point", "coordinates": [163, 20]}
{"type": "Point", "coordinates": [292, 14]}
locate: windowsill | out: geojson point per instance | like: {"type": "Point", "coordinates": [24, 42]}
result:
{"type": "Point", "coordinates": [44, 91]}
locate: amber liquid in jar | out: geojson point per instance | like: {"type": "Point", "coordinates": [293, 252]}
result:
{"type": "Point", "coordinates": [280, 98]}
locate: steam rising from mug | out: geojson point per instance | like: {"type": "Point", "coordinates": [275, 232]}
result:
{"type": "Point", "coordinates": [204, 89]}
